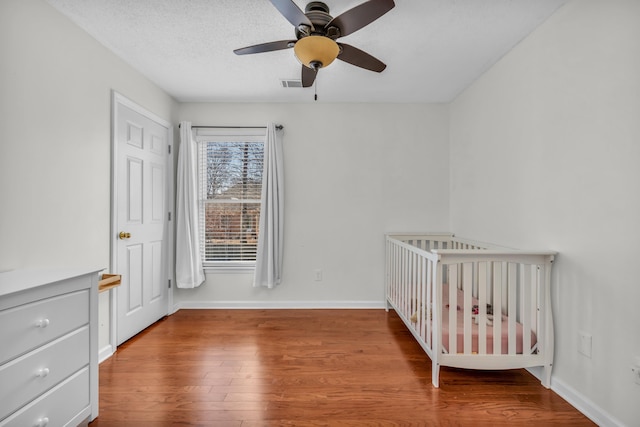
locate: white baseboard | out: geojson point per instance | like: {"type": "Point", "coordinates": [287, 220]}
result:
{"type": "Point", "coordinates": [105, 353]}
{"type": "Point", "coordinates": [584, 405]}
{"type": "Point", "coordinates": [280, 305]}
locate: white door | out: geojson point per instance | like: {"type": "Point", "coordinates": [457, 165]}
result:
{"type": "Point", "coordinates": [140, 226]}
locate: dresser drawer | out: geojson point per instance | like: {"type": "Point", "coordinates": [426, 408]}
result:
{"type": "Point", "coordinates": [30, 325]}
{"type": "Point", "coordinates": [27, 377]}
{"type": "Point", "coordinates": [68, 401]}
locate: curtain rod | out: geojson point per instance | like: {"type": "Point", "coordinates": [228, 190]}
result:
{"type": "Point", "coordinates": [279, 127]}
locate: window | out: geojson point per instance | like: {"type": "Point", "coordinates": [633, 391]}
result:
{"type": "Point", "coordinates": [230, 170]}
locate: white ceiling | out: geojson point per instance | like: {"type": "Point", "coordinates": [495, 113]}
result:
{"type": "Point", "coordinates": [433, 48]}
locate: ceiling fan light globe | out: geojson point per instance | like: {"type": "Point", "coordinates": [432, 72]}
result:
{"type": "Point", "coordinates": [316, 51]}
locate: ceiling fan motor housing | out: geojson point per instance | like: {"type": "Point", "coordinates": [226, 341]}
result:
{"type": "Point", "coordinates": [316, 5]}
{"type": "Point", "coordinates": [318, 14]}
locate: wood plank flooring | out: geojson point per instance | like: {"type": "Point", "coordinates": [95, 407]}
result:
{"type": "Point", "coordinates": [306, 368]}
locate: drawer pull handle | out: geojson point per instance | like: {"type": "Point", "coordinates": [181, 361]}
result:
{"type": "Point", "coordinates": [43, 372]}
{"type": "Point", "coordinates": [42, 323]}
{"type": "Point", "coordinates": [42, 422]}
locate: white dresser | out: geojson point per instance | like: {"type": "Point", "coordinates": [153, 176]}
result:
{"type": "Point", "coordinates": [48, 347]}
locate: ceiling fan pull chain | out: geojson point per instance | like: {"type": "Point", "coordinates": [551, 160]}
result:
{"type": "Point", "coordinates": [315, 89]}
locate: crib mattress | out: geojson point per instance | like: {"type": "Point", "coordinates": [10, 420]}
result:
{"type": "Point", "coordinates": [504, 347]}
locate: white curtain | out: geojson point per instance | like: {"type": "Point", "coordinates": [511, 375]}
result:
{"type": "Point", "coordinates": [268, 271]}
{"type": "Point", "coordinates": [189, 271]}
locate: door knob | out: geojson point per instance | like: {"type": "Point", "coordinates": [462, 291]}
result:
{"type": "Point", "coordinates": [124, 235]}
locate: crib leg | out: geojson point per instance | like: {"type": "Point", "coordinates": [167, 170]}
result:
{"type": "Point", "coordinates": [435, 374]}
{"type": "Point", "coordinates": [546, 376]}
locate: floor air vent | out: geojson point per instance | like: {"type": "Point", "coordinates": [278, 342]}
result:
{"type": "Point", "coordinates": [291, 83]}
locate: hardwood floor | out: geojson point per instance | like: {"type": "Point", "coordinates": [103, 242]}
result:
{"type": "Point", "coordinates": [306, 368]}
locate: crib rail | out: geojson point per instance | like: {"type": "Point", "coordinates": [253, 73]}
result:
{"type": "Point", "coordinates": [462, 299]}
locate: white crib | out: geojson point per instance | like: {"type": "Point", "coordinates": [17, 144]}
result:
{"type": "Point", "coordinates": [501, 316]}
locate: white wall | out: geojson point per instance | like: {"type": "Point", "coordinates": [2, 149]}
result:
{"type": "Point", "coordinates": [55, 146]}
{"type": "Point", "coordinates": [545, 153]}
{"type": "Point", "coordinates": [352, 173]}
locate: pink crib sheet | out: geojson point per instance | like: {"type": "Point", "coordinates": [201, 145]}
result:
{"type": "Point", "coordinates": [504, 347]}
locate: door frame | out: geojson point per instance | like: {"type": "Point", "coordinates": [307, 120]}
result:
{"type": "Point", "coordinates": [118, 100]}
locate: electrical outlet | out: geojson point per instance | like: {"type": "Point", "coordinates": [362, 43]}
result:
{"type": "Point", "coordinates": [636, 374]}
{"type": "Point", "coordinates": [317, 275]}
{"type": "Point", "coordinates": [584, 344]}
{"type": "Point", "coordinates": [636, 370]}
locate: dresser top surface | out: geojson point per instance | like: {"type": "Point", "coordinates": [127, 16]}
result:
{"type": "Point", "coordinates": [23, 279]}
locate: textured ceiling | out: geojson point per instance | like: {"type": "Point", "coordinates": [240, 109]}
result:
{"type": "Point", "coordinates": [433, 48]}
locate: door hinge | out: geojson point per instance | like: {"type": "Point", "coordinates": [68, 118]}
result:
{"type": "Point", "coordinates": [169, 284]}
{"type": "Point", "coordinates": [169, 147]}
{"type": "Point", "coordinates": [169, 215]}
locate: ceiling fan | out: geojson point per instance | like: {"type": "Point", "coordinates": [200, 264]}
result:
{"type": "Point", "coordinates": [316, 34]}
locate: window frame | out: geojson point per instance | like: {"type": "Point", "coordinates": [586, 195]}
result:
{"type": "Point", "coordinates": [202, 136]}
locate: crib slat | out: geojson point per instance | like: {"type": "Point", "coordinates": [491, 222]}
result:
{"type": "Point", "coordinates": [429, 303]}
{"type": "Point", "coordinates": [511, 307]}
{"type": "Point", "coordinates": [413, 286]}
{"type": "Point", "coordinates": [403, 281]}
{"type": "Point", "coordinates": [387, 270]}
{"type": "Point", "coordinates": [467, 288]}
{"type": "Point", "coordinates": [409, 283]}
{"type": "Point", "coordinates": [393, 273]}
{"type": "Point", "coordinates": [482, 307]}
{"type": "Point", "coordinates": [526, 315]}
{"type": "Point", "coordinates": [423, 300]}
{"type": "Point", "coordinates": [398, 283]}
{"type": "Point", "coordinates": [533, 301]}
{"type": "Point", "coordinates": [418, 289]}
{"type": "Point", "coordinates": [419, 292]}
{"type": "Point", "coordinates": [390, 270]}
{"type": "Point", "coordinates": [498, 269]}
{"type": "Point", "coordinates": [453, 292]}
{"type": "Point", "coordinates": [395, 269]}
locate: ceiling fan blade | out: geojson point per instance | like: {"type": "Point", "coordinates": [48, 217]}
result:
{"type": "Point", "coordinates": [360, 58]}
{"type": "Point", "coordinates": [308, 76]}
{"type": "Point", "coordinates": [364, 14]}
{"type": "Point", "coordinates": [292, 12]}
{"type": "Point", "coordinates": [265, 47]}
